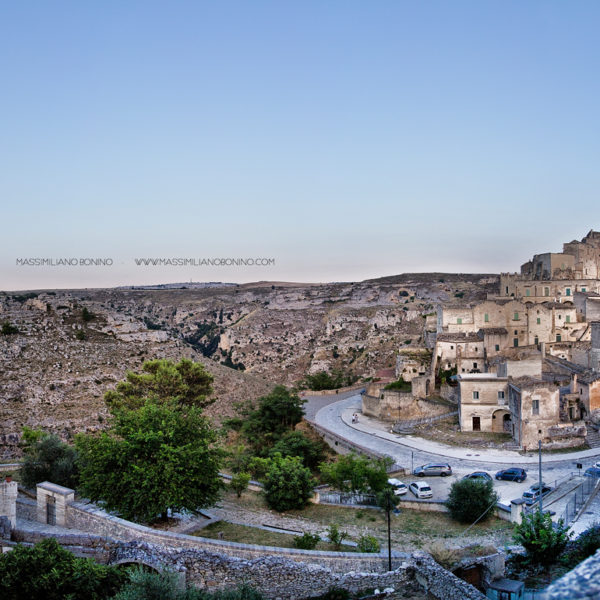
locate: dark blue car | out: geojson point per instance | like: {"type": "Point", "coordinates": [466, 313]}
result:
{"type": "Point", "coordinates": [479, 476]}
{"type": "Point", "coordinates": [592, 472]}
{"type": "Point", "coordinates": [512, 474]}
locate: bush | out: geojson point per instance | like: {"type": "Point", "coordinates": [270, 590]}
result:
{"type": "Point", "coordinates": [86, 315]}
{"type": "Point", "coordinates": [295, 443]}
{"type": "Point", "coordinates": [80, 335]}
{"type": "Point", "coordinates": [288, 484]}
{"type": "Point", "coordinates": [469, 499]}
{"type": "Point", "coordinates": [336, 537]}
{"type": "Point", "coordinates": [368, 543]}
{"type": "Point", "coordinates": [48, 458]}
{"type": "Point", "coordinates": [8, 329]}
{"type": "Point", "coordinates": [542, 539]}
{"type": "Point", "coordinates": [239, 483]}
{"type": "Point", "coordinates": [400, 385]}
{"type": "Point", "coordinates": [307, 541]}
{"type": "Point", "coordinates": [588, 542]}
{"type": "Point", "coordinates": [47, 571]}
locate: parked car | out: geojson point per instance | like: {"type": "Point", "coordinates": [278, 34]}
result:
{"type": "Point", "coordinates": [479, 476]}
{"type": "Point", "coordinates": [420, 489]}
{"type": "Point", "coordinates": [596, 465]}
{"type": "Point", "coordinates": [512, 474]}
{"type": "Point", "coordinates": [532, 495]}
{"type": "Point", "coordinates": [592, 472]}
{"type": "Point", "coordinates": [400, 488]}
{"type": "Point", "coordinates": [442, 469]}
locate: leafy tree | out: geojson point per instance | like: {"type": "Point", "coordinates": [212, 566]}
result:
{"type": "Point", "coordinates": [295, 443]}
{"type": "Point", "coordinates": [47, 458]}
{"type": "Point", "coordinates": [354, 473]}
{"type": "Point", "coordinates": [336, 537]}
{"type": "Point", "coordinates": [47, 571]}
{"type": "Point", "coordinates": [542, 539]}
{"type": "Point", "coordinates": [276, 414]}
{"type": "Point", "coordinates": [307, 541]}
{"type": "Point", "coordinates": [238, 458]}
{"type": "Point", "coordinates": [180, 385]}
{"type": "Point", "coordinates": [368, 543]}
{"type": "Point", "coordinates": [469, 499]}
{"type": "Point", "coordinates": [239, 483]}
{"type": "Point", "coordinates": [328, 381]}
{"type": "Point", "coordinates": [151, 459]}
{"type": "Point", "coordinates": [288, 484]}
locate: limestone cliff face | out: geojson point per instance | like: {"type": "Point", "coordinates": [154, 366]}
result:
{"type": "Point", "coordinates": [54, 372]}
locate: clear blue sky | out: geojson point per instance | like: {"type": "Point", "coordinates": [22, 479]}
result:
{"type": "Point", "coordinates": [344, 139]}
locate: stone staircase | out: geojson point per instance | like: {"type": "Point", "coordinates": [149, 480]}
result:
{"type": "Point", "coordinates": [593, 437]}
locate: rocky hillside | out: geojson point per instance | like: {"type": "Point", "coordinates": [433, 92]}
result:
{"type": "Point", "coordinates": [72, 346]}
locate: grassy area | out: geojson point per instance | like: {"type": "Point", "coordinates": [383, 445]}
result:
{"type": "Point", "coordinates": [410, 528]}
{"type": "Point", "coordinates": [243, 534]}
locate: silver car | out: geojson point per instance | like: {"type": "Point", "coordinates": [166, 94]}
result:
{"type": "Point", "coordinates": [442, 469]}
{"type": "Point", "coordinates": [420, 489]}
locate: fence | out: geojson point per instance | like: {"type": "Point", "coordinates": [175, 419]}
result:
{"type": "Point", "coordinates": [347, 498]}
{"type": "Point", "coordinates": [578, 499]}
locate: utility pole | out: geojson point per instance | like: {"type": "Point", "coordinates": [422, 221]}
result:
{"type": "Point", "coordinates": [389, 534]}
{"type": "Point", "coordinates": [540, 472]}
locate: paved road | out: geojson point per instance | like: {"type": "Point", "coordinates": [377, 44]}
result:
{"type": "Point", "coordinates": [335, 414]}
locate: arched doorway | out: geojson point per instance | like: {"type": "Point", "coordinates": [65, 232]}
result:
{"type": "Point", "coordinates": [501, 422]}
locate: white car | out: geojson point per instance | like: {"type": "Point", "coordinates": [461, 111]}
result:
{"type": "Point", "coordinates": [420, 489]}
{"type": "Point", "coordinates": [400, 488]}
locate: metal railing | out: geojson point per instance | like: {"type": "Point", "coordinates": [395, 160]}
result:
{"type": "Point", "coordinates": [578, 499]}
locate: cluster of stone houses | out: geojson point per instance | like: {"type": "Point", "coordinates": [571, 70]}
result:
{"type": "Point", "coordinates": [527, 359]}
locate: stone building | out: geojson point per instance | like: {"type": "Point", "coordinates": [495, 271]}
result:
{"type": "Point", "coordinates": [483, 404]}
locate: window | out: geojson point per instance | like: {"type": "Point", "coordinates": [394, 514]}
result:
{"type": "Point", "coordinates": [516, 332]}
{"type": "Point", "coordinates": [501, 395]}
{"type": "Point", "coordinates": [459, 321]}
{"type": "Point", "coordinates": [558, 337]}
{"type": "Point", "coordinates": [474, 365]}
{"type": "Point", "coordinates": [560, 316]}
{"type": "Point", "coordinates": [538, 321]}
{"type": "Point", "coordinates": [516, 342]}
{"type": "Point", "coordinates": [497, 347]}
{"type": "Point", "coordinates": [516, 316]}
{"type": "Point", "coordinates": [568, 291]}
{"type": "Point", "coordinates": [536, 340]}
{"type": "Point", "coordinates": [583, 289]}
{"type": "Point", "coordinates": [475, 395]}
{"type": "Point", "coordinates": [486, 318]}
{"type": "Point", "coordinates": [535, 407]}
{"type": "Point", "coordinates": [507, 290]}
{"type": "Point", "coordinates": [567, 318]}
{"type": "Point", "coordinates": [451, 347]}
{"type": "Point", "coordinates": [546, 291]}
{"type": "Point", "coordinates": [527, 292]}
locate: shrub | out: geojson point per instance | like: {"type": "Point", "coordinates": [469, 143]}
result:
{"type": "Point", "coordinates": [368, 543]}
{"type": "Point", "coordinates": [469, 499]}
{"type": "Point", "coordinates": [239, 483]}
{"type": "Point", "coordinates": [8, 329]}
{"type": "Point", "coordinates": [86, 315]}
{"type": "Point", "coordinates": [307, 541]}
{"type": "Point", "coordinates": [47, 571]}
{"type": "Point", "coordinates": [336, 537]}
{"type": "Point", "coordinates": [295, 443]}
{"type": "Point", "coordinates": [80, 335]}
{"type": "Point", "coordinates": [542, 539]}
{"type": "Point", "coordinates": [588, 542]}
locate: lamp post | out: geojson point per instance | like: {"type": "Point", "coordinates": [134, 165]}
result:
{"type": "Point", "coordinates": [540, 473]}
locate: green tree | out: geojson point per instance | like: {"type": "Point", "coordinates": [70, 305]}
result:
{"type": "Point", "coordinates": [183, 384]}
{"type": "Point", "coordinates": [151, 459]}
{"type": "Point", "coordinates": [86, 315]}
{"type": "Point", "coordinates": [470, 499]}
{"type": "Point", "coordinates": [542, 539]}
{"type": "Point", "coordinates": [47, 571]}
{"type": "Point", "coordinates": [295, 443]}
{"type": "Point", "coordinates": [47, 458]}
{"type": "Point", "coordinates": [354, 473]}
{"type": "Point", "coordinates": [239, 483]}
{"type": "Point", "coordinates": [276, 414]}
{"type": "Point", "coordinates": [288, 484]}
{"type": "Point", "coordinates": [336, 537]}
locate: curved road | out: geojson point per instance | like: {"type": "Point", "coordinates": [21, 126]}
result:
{"type": "Point", "coordinates": [334, 413]}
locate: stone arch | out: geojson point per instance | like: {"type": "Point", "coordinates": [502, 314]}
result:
{"type": "Point", "coordinates": [501, 421]}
